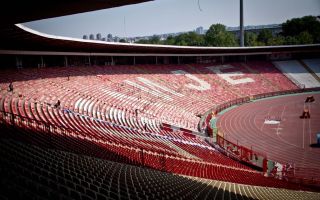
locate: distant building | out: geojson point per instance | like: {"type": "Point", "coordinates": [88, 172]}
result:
{"type": "Point", "coordinates": [85, 37]}
{"type": "Point", "coordinates": [200, 30]}
{"type": "Point", "coordinates": [109, 38]}
{"type": "Point", "coordinates": [116, 39]}
{"type": "Point", "coordinates": [162, 37]}
{"type": "Point", "coordinates": [91, 37]}
{"type": "Point", "coordinates": [274, 28]}
{"type": "Point", "coordinates": [98, 36]}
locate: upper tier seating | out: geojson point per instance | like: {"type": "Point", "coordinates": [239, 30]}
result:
{"type": "Point", "coordinates": [314, 65]}
{"type": "Point", "coordinates": [271, 75]}
{"type": "Point", "coordinates": [297, 73]}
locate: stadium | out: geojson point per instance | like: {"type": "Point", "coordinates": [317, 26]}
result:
{"type": "Point", "coordinates": [83, 119]}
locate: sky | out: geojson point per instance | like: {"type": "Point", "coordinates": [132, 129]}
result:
{"type": "Point", "coordinates": [170, 16]}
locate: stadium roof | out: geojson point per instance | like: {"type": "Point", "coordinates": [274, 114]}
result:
{"type": "Point", "coordinates": [23, 39]}
{"type": "Point", "coordinates": [18, 39]}
{"type": "Point", "coordinates": [15, 11]}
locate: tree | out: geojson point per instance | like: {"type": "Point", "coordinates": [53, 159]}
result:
{"type": "Point", "coordinates": [217, 35]}
{"type": "Point", "coordinates": [305, 30]}
{"type": "Point", "coordinates": [189, 39]}
{"type": "Point", "coordinates": [264, 36]}
{"type": "Point", "coordinates": [275, 41]}
{"type": "Point", "coordinates": [143, 41]}
{"type": "Point", "coordinates": [154, 40]}
{"type": "Point", "coordinates": [291, 40]}
{"type": "Point", "coordinates": [305, 38]}
{"type": "Point", "coordinates": [251, 39]}
{"type": "Point", "coordinates": [308, 24]}
{"type": "Point", "coordinates": [170, 40]}
{"type": "Point", "coordinates": [122, 40]}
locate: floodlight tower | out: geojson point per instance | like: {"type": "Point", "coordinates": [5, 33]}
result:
{"type": "Point", "coordinates": [241, 25]}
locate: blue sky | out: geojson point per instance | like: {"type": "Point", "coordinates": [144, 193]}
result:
{"type": "Point", "coordinates": [167, 16]}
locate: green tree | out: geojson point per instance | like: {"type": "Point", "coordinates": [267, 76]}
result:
{"type": "Point", "coordinates": [218, 36]}
{"type": "Point", "coordinates": [143, 41]}
{"type": "Point", "coordinates": [122, 40]}
{"type": "Point", "coordinates": [189, 39]}
{"type": "Point", "coordinates": [154, 40]}
{"type": "Point", "coordinates": [264, 36]}
{"type": "Point", "coordinates": [308, 24]}
{"type": "Point", "coordinates": [251, 39]}
{"type": "Point", "coordinates": [276, 40]}
{"type": "Point", "coordinates": [291, 40]}
{"type": "Point", "coordinates": [305, 38]}
{"type": "Point", "coordinates": [170, 40]}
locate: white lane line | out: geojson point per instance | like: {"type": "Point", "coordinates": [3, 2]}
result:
{"type": "Point", "coordinates": [280, 138]}
{"type": "Point", "coordinates": [303, 128]}
{"type": "Point", "coordinates": [267, 116]}
{"type": "Point", "coordinates": [310, 142]}
{"type": "Point", "coordinates": [284, 108]}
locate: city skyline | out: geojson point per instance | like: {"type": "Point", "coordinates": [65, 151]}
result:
{"type": "Point", "coordinates": [199, 30]}
{"type": "Point", "coordinates": [170, 16]}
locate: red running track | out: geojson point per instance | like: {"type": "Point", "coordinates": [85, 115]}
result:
{"type": "Point", "coordinates": [286, 142]}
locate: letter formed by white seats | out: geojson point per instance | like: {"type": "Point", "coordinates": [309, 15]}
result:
{"type": "Point", "coordinates": [203, 85]}
{"type": "Point", "coordinates": [152, 88]}
{"type": "Point", "coordinates": [228, 75]}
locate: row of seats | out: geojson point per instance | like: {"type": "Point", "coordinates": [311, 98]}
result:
{"type": "Point", "coordinates": [113, 132]}
{"type": "Point", "coordinates": [33, 172]}
{"type": "Point", "coordinates": [126, 91]}
{"type": "Point", "coordinates": [119, 152]}
{"type": "Point", "coordinates": [120, 110]}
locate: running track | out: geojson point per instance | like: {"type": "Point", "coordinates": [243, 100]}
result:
{"type": "Point", "coordinates": [287, 142]}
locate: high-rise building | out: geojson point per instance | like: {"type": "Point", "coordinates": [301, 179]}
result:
{"type": "Point", "coordinates": [110, 38]}
{"type": "Point", "coordinates": [199, 30]}
{"type": "Point", "coordinates": [98, 36]}
{"type": "Point", "coordinates": [116, 39]}
{"type": "Point", "coordinates": [91, 37]}
{"type": "Point", "coordinates": [85, 37]}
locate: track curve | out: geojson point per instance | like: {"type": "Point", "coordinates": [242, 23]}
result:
{"type": "Point", "coordinates": [286, 142]}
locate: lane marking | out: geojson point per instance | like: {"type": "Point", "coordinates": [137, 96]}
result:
{"type": "Point", "coordinates": [303, 125]}
{"type": "Point", "coordinates": [310, 128]}
{"type": "Point", "coordinates": [284, 107]}
{"type": "Point", "coordinates": [267, 115]}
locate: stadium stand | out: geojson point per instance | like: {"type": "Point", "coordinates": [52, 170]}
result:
{"type": "Point", "coordinates": [125, 152]}
{"type": "Point", "coordinates": [270, 74]}
{"type": "Point", "coordinates": [314, 65]}
{"type": "Point", "coordinates": [28, 170]}
{"type": "Point", "coordinates": [297, 73]}
{"type": "Point", "coordinates": [84, 119]}
{"type": "Point", "coordinates": [99, 104]}
{"type": "Point", "coordinates": [150, 98]}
